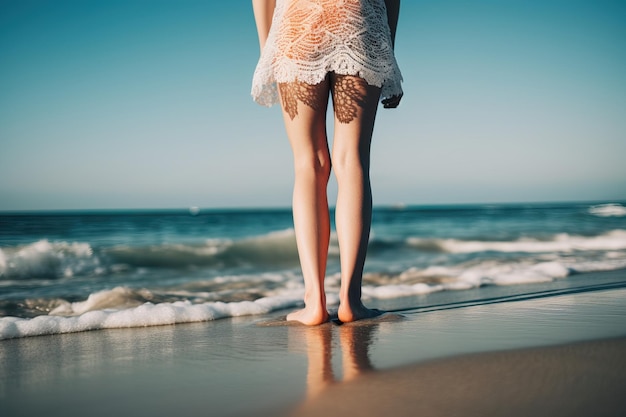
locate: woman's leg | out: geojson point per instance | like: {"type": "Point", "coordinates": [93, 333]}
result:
{"type": "Point", "coordinates": [355, 103]}
{"type": "Point", "coordinates": [304, 110]}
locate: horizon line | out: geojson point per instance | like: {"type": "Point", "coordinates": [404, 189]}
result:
{"type": "Point", "coordinates": [198, 210]}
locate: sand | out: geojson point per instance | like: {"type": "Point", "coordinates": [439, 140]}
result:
{"type": "Point", "coordinates": [543, 350]}
{"type": "Point", "coordinates": [581, 379]}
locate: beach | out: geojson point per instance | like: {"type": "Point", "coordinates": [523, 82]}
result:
{"type": "Point", "coordinates": [582, 379]}
{"type": "Point", "coordinates": [149, 257]}
{"type": "Point", "coordinates": [538, 349]}
{"type": "Point", "coordinates": [494, 309]}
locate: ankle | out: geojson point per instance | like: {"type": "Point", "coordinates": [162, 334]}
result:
{"type": "Point", "coordinates": [315, 301]}
{"type": "Point", "coordinates": [350, 299]}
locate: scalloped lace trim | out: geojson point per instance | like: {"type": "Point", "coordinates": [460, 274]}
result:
{"type": "Point", "coordinates": [310, 38]}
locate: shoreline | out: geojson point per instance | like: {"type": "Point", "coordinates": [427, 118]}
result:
{"type": "Point", "coordinates": [183, 312]}
{"type": "Point", "coordinates": [237, 367]}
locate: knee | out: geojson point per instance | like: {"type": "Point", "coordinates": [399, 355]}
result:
{"type": "Point", "coordinates": [348, 163]}
{"type": "Point", "coordinates": [315, 166]}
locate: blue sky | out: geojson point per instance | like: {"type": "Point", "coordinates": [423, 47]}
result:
{"type": "Point", "coordinates": [145, 104]}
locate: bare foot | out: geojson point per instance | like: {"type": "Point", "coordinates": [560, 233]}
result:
{"type": "Point", "coordinates": [310, 317]}
{"type": "Point", "coordinates": [349, 314]}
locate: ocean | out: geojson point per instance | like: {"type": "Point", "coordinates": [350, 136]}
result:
{"type": "Point", "coordinates": [65, 272]}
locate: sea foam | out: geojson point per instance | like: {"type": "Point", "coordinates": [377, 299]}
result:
{"type": "Point", "coordinates": [147, 314]}
{"type": "Point", "coordinates": [45, 259]}
{"type": "Point", "coordinates": [608, 210]}
{"type": "Point", "coordinates": [117, 298]}
{"type": "Point", "coordinates": [562, 242]}
{"type": "Point", "coordinates": [471, 275]}
{"type": "Point", "coordinates": [271, 282]}
{"type": "Point", "coordinates": [122, 307]}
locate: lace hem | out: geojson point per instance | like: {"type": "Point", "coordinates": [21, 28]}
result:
{"type": "Point", "coordinates": [310, 38]}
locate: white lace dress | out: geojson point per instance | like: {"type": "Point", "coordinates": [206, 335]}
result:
{"type": "Point", "coordinates": [310, 38]}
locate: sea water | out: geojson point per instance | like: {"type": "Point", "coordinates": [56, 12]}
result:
{"type": "Point", "coordinates": [75, 271]}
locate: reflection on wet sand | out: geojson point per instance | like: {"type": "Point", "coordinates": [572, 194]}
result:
{"type": "Point", "coordinates": [578, 379]}
{"type": "Point", "coordinates": [355, 342]}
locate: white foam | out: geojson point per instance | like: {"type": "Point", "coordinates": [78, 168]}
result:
{"type": "Point", "coordinates": [396, 291]}
{"type": "Point", "coordinates": [542, 272]}
{"type": "Point", "coordinates": [608, 264]}
{"type": "Point", "coordinates": [45, 259]}
{"type": "Point", "coordinates": [463, 277]}
{"type": "Point", "coordinates": [562, 242]}
{"type": "Point", "coordinates": [125, 307]}
{"type": "Point", "coordinates": [3, 263]}
{"type": "Point", "coordinates": [608, 210]}
{"type": "Point", "coordinates": [147, 314]}
{"type": "Point", "coordinates": [117, 298]}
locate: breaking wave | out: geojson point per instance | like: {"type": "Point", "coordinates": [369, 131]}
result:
{"type": "Point", "coordinates": [53, 260]}
{"type": "Point", "coordinates": [44, 259]}
{"type": "Point", "coordinates": [608, 210]}
{"type": "Point", "coordinates": [147, 314]}
{"type": "Point", "coordinates": [562, 242]}
{"type": "Point", "coordinates": [225, 297]}
{"type": "Point", "coordinates": [258, 275]}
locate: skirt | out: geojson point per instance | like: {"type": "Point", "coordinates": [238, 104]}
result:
{"type": "Point", "coordinates": [310, 38]}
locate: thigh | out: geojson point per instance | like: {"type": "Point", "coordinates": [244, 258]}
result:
{"type": "Point", "coordinates": [304, 112]}
{"type": "Point", "coordinates": [354, 104]}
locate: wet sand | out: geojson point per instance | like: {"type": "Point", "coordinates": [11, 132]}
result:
{"type": "Point", "coordinates": [581, 379]}
{"type": "Point", "coordinates": [543, 350]}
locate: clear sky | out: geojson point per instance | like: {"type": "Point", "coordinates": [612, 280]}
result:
{"type": "Point", "coordinates": [146, 104]}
